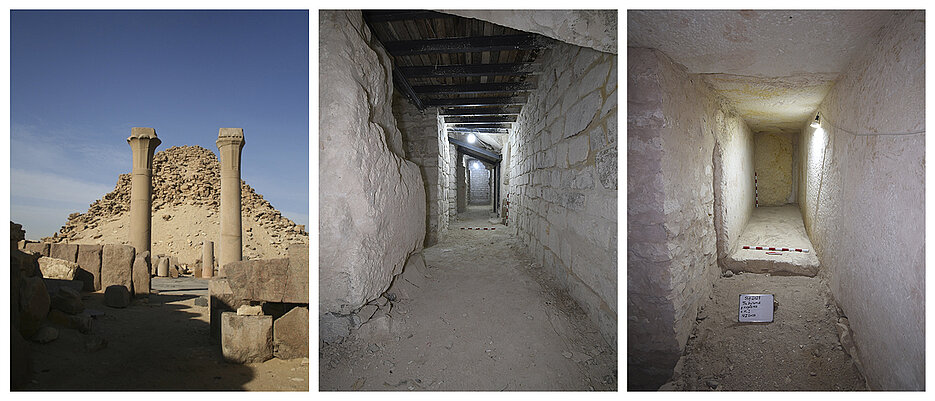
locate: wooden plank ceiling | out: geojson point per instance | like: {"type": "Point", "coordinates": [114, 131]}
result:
{"type": "Point", "coordinates": [477, 73]}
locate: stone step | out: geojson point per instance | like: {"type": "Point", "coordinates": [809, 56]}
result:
{"type": "Point", "coordinates": [777, 227]}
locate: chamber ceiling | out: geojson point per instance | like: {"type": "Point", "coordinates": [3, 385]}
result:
{"type": "Point", "coordinates": [773, 66]}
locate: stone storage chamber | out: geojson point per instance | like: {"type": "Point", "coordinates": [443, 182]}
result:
{"type": "Point", "coordinates": [186, 192]}
{"type": "Point", "coordinates": [858, 189]}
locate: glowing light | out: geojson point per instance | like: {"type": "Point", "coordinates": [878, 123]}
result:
{"type": "Point", "coordinates": [471, 138]}
{"type": "Point", "coordinates": [817, 122]}
{"type": "Point", "coordinates": [476, 165]}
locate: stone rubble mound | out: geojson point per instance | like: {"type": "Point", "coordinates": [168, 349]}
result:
{"type": "Point", "coordinates": [186, 196]}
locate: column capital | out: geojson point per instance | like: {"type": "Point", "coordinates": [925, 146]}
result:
{"type": "Point", "coordinates": [230, 136]}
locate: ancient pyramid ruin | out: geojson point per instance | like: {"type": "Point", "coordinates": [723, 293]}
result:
{"type": "Point", "coordinates": [186, 195]}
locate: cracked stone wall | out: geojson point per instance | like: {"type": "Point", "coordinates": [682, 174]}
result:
{"type": "Point", "coordinates": [674, 121]}
{"type": "Point", "coordinates": [371, 200]}
{"type": "Point", "coordinates": [563, 177]}
{"type": "Point", "coordinates": [863, 201]}
{"type": "Point", "coordinates": [427, 146]}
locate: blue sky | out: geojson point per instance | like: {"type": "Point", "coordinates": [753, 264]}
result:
{"type": "Point", "coordinates": [81, 79]}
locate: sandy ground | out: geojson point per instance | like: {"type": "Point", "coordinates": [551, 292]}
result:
{"type": "Point", "coordinates": [486, 318]}
{"type": "Point", "coordinates": [159, 343]}
{"type": "Point", "coordinates": [774, 226]}
{"type": "Point", "coordinates": [799, 350]}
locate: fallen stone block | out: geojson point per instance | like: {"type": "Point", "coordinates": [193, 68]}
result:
{"type": "Point", "coordinates": [163, 269]}
{"type": "Point", "coordinates": [268, 280]}
{"type": "Point", "coordinates": [249, 310]}
{"type": "Point", "coordinates": [367, 312]}
{"type": "Point", "coordinates": [67, 252]}
{"type": "Point", "coordinates": [46, 334]}
{"type": "Point", "coordinates": [81, 322]}
{"type": "Point", "coordinates": [378, 328]}
{"type": "Point", "coordinates": [67, 300]}
{"type": "Point", "coordinates": [117, 266]}
{"type": "Point", "coordinates": [52, 285]}
{"type": "Point", "coordinates": [246, 339]}
{"type": "Point", "coordinates": [290, 334]}
{"type": "Point", "coordinates": [89, 263]}
{"type": "Point", "coordinates": [141, 275]}
{"type": "Point", "coordinates": [34, 305]}
{"type": "Point", "coordinates": [42, 248]}
{"type": "Point", "coordinates": [57, 268]}
{"type": "Point", "coordinates": [221, 300]}
{"type": "Point", "coordinates": [117, 296]}
{"type": "Point", "coordinates": [27, 263]}
{"type": "Point", "coordinates": [173, 272]}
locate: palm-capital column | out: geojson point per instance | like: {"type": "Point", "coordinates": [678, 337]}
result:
{"type": "Point", "coordinates": [230, 144]}
{"type": "Point", "coordinates": [143, 143]}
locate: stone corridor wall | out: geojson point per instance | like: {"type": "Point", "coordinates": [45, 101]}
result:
{"type": "Point", "coordinates": [773, 160]}
{"type": "Point", "coordinates": [427, 147]}
{"type": "Point", "coordinates": [863, 201]}
{"type": "Point", "coordinates": [674, 122]}
{"type": "Point", "coordinates": [371, 200]}
{"type": "Point", "coordinates": [563, 177]}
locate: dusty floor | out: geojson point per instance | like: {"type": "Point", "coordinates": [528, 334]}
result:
{"type": "Point", "coordinates": [156, 344]}
{"type": "Point", "coordinates": [486, 318]}
{"type": "Point", "coordinates": [799, 350]}
{"type": "Point", "coordinates": [774, 226]}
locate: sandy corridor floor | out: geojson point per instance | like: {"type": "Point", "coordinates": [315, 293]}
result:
{"type": "Point", "coordinates": [486, 318]}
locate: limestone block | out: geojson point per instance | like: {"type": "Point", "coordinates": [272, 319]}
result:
{"type": "Point", "coordinates": [246, 339]}
{"type": "Point", "coordinates": [117, 265]}
{"type": "Point", "coordinates": [141, 275]}
{"type": "Point", "coordinates": [117, 296]}
{"type": "Point", "coordinates": [89, 263]}
{"type": "Point", "coordinates": [57, 268]}
{"type": "Point", "coordinates": [67, 252]}
{"type": "Point", "coordinates": [581, 114]}
{"type": "Point", "coordinates": [578, 149]}
{"type": "Point", "coordinates": [221, 300]}
{"type": "Point", "coordinates": [34, 305]}
{"type": "Point", "coordinates": [163, 269]}
{"type": "Point", "coordinates": [250, 310]}
{"type": "Point", "coordinates": [268, 280]}
{"type": "Point", "coordinates": [290, 334]}
{"type": "Point", "coordinates": [606, 164]}
{"type": "Point", "coordinates": [357, 140]}
{"type": "Point", "coordinates": [594, 79]}
{"type": "Point", "coordinates": [67, 300]}
{"type": "Point", "coordinates": [41, 248]}
{"type": "Point", "coordinates": [297, 286]}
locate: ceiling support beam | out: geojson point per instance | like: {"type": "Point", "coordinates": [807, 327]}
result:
{"type": "Point", "coordinates": [480, 119]}
{"type": "Point", "coordinates": [477, 152]}
{"type": "Point", "coordinates": [465, 45]}
{"type": "Point", "coordinates": [475, 88]}
{"type": "Point", "coordinates": [477, 101]}
{"type": "Point", "coordinates": [480, 111]}
{"type": "Point", "coordinates": [482, 125]}
{"type": "Point", "coordinates": [470, 70]}
{"type": "Point", "coordinates": [480, 130]}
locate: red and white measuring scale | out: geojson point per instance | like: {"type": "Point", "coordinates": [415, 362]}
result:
{"type": "Point", "coordinates": [770, 248]}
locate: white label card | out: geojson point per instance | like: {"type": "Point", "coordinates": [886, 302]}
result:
{"type": "Point", "coordinates": [756, 308]}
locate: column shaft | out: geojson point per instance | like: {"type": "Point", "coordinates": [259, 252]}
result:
{"type": "Point", "coordinates": [230, 247]}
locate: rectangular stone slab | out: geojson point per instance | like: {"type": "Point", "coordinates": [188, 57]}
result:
{"type": "Point", "coordinates": [67, 252]}
{"type": "Point", "coordinates": [290, 334]}
{"type": "Point", "coordinates": [269, 280]}
{"type": "Point", "coordinates": [246, 339]}
{"type": "Point", "coordinates": [221, 300]}
{"type": "Point", "coordinates": [41, 247]}
{"type": "Point", "coordinates": [117, 266]}
{"type": "Point", "coordinates": [141, 275]}
{"type": "Point", "coordinates": [89, 262]}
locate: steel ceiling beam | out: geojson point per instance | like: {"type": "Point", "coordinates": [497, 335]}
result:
{"type": "Point", "coordinates": [465, 45]}
{"type": "Point", "coordinates": [470, 70]}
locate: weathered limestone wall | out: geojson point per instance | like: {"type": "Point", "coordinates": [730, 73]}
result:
{"type": "Point", "coordinates": [480, 186]}
{"type": "Point", "coordinates": [863, 201]}
{"type": "Point", "coordinates": [372, 201]}
{"type": "Point", "coordinates": [674, 122]}
{"type": "Point", "coordinates": [733, 179]}
{"type": "Point", "coordinates": [563, 177]}
{"type": "Point", "coordinates": [452, 180]}
{"type": "Point", "coordinates": [427, 147]}
{"type": "Point", "coordinates": [773, 161]}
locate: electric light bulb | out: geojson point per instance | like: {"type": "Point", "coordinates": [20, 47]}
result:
{"type": "Point", "coordinates": [471, 138]}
